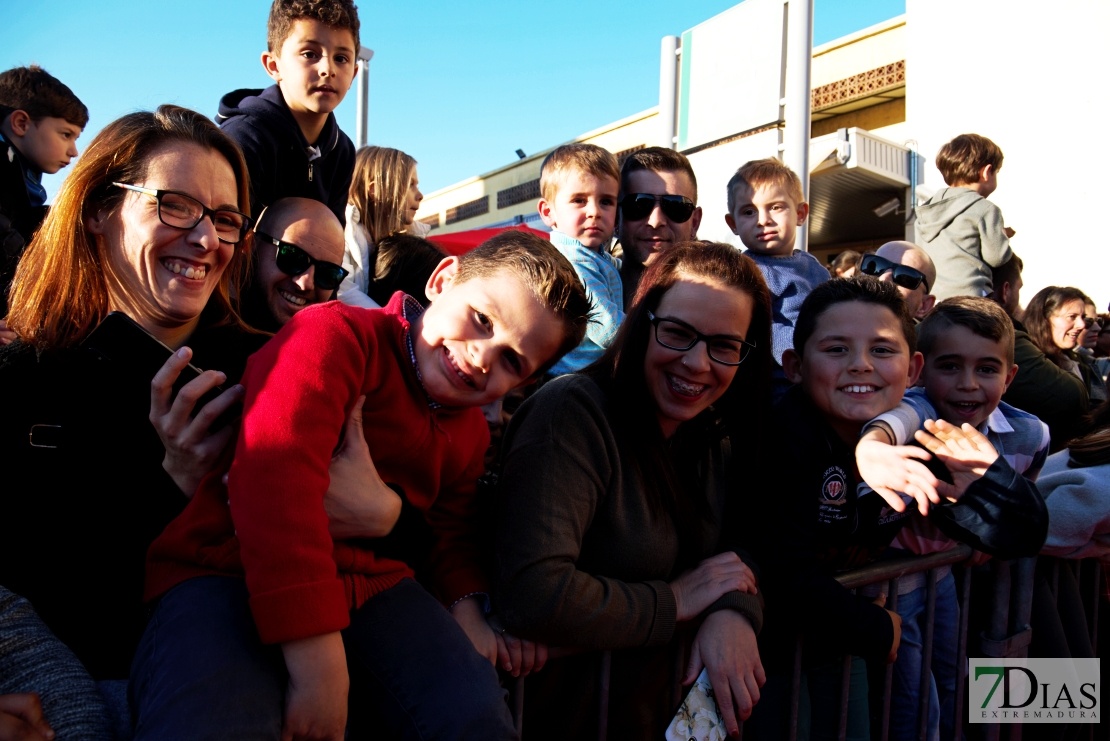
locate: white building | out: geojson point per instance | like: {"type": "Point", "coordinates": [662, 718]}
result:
{"type": "Point", "coordinates": [1020, 74]}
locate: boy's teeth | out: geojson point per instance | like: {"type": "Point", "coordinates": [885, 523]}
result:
{"type": "Point", "coordinates": [859, 389]}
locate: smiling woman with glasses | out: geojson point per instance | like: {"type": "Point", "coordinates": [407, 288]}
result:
{"type": "Point", "coordinates": [611, 500]}
{"type": "Point", "coordinates": [149, 223]}
{"type": "Point", "coordinates": [1053, 381]}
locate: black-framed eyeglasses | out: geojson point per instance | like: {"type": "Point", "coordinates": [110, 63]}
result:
{"type": "Point", "coordinates": [636, 206]}
{"type": "Point", "coordinates": [1090, 321]}
{"type": "Point", "coordinates": [903, 275]}
{"type": "Point", "coordinates": [293, 261]}
{"type": "Point", "coordinates": [675, 334]}
{"type": "Point", "coordinates": [182, 211]}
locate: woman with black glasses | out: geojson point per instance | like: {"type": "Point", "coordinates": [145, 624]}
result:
{"type": "Point", "coordinates": [615, 501]}
{"type": "Point", "coordinates": [150, 223]}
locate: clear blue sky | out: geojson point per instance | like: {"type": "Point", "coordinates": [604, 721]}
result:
{"type": "Point", "coordinates": [458, 84]}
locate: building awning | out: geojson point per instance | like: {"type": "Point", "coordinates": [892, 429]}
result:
{"type": "Point", "coordinates": [853, 173]}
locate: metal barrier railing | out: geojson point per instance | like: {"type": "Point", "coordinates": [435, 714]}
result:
{"type": "Point", "coordinates": [1005, 633]}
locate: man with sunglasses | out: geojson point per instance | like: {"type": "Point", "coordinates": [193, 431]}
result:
{"type": "Point", "coordinates": [298, 246]}
{"type": "Point", "coordinates": [658, 207]}
{"type": "Point", "coordinates": [911, 271]}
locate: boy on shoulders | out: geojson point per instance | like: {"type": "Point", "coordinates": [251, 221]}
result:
{"type": "Point", "coordinates": [765, 208]}
{"type": "Point", "coordinates": [960, 229]}
{"type": "Point", "coordinates": [40, 120]}
{"type": "Point", "coordinates": [578, 185]}
{"type": "Point", "coordinates": [288, 132]}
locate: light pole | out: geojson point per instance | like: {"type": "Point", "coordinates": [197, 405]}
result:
{"type": "Point", "coordinates": [362, 104]}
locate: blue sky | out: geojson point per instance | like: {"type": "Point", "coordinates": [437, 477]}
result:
{"type": "Point", "coordinates": [458, 84]}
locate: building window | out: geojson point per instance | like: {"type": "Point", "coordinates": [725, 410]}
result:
{"type": "Point", "coordinates": [467, 210]}
{"type": "Point", "coordinates": [529, 191]}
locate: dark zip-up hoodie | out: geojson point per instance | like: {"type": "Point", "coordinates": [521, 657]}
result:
{"type": "Point", "coordinates": [278, 155]}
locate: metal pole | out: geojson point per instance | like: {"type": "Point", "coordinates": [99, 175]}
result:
{"type": "Point", "coordinates": [668, 91]}
{"type": "Point", "coordinates": [796, 101]}
{"type": "Point", "coordinates": [362, 103]}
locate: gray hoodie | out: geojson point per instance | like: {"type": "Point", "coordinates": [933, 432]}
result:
{"type": "Point", "coordinates": [963, 233]}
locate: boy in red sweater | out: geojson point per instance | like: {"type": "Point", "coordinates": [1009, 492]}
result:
{"type": "Point", "coordinates": [354, 628]}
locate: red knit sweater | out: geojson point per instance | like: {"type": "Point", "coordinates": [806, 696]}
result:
{"type": "Point", "coordinates": [269, 523]}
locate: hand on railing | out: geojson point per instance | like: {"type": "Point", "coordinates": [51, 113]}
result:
{"type": "Point", "coordinates": [518, 656]}
{"type": "Point", "coordinates": [718, 575]}
{"type": "Point", "coordinates": [726, 646]}
{"type": "Point", "coordinates": [896, 619]}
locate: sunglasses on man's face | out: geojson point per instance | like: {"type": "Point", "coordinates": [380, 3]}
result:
{"type": "Point", "coordinates": [636, 206]}
{"type": "Point", "coordinates": [294, 261]}
{"type": "Point", "coordinates": [903, 275]}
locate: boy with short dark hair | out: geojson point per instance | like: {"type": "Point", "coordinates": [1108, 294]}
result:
{"type": "Point", "coordinates": [578, 200]}
{"type": "Point", "coordinates": [40, 120]}
{"type": "Point", "coordinates": [765, 208]}
{"type": "Point", "coordinates": [853, 357]}
{"type": "Point", "coordinates": [499, 317]}
{"type": "Point", "coordinates": [960, 229]}
{"type": "Point", "coordinates": [288, 132]}
{"type": "Point", "coordinates": [993, 452]}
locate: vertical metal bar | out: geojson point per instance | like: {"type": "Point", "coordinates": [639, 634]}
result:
{"type": "Point", "coordinates": [798, 101]}
{"type": "Point", "coordinates": [961, 655]}
{"type": "Point", "coordinates": [845, 688]}
{"type": "Point", "coordinates": [668, 91]}
{"type": "Point", "coordinates": [516, 706]}
{"type": "Point", "coordinates": [1096, 593]}
{"type": "Point", "coordinates": [888, 672]}
{"type": "Point", "coordinates": [927, 654]}
{"type": "Point", "coordinates": [603, 695]}
{"type": "Point", "coordinates": [795, 691]}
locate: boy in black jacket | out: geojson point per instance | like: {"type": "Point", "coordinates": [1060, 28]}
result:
{"type": "Point", "coordinates": [40, 120]}
{"type": "Point", "coordinates": [288, 132]}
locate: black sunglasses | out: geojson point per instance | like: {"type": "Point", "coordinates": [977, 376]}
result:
{"type": "Point", "coordinates": [678, 335]}
{"type": "Point", "coordinates": [636, 206]}
{"type": "Point", "coordinates": [903, 275]}
{"type": "Point", "coordinates": [294, 261]}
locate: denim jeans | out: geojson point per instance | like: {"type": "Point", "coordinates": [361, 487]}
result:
{"type": "Point", "coordinates": [905, 688]}
{"type": "Point", "coordinates": [201, 672]}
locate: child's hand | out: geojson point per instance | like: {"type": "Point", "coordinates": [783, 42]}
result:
{"type": "Point", "coordinates": [21, 719]}
{"type": "Point", "coordinates": [316, 700]}
{"type": "Point", "coordinates": [964, 450]}
{"type": "Point", "coordinates": [715, 576]}
{"type": "Point", "coordinates": [468, 614]}
{"type": "Point", "coordinates": [518, 656]}
{"type": "Point", "coordinates": [894, 469]}
{"type": "Point", "coordinates": [358, 503]}
{"type": "Point", "coordinates": [896, 619]}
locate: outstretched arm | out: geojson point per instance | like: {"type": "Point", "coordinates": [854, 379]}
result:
{"type": "Point", "coordinates": [892, 470]}
{"type": "Point", "coordinates": [966, 452]}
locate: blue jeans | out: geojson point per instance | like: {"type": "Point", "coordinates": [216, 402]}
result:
{"type": "Point", "coordinates": [201, 671]}
{"type": "Point", "coordinates": [906, 686]}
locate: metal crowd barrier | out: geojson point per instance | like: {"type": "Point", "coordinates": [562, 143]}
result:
{"type": "Point", "coordinates": [1005, 633]}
